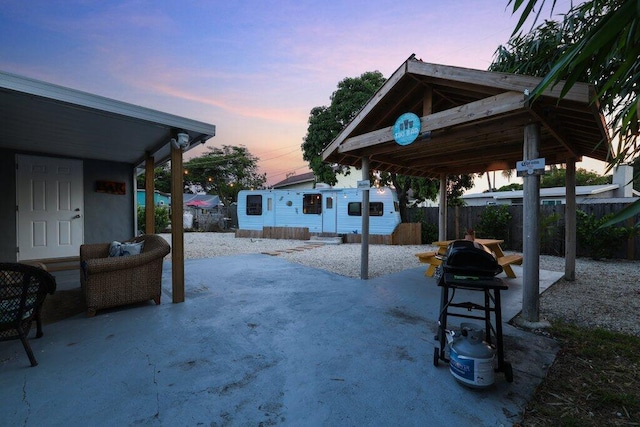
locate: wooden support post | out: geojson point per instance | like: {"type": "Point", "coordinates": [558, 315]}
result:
{"type": "Point", "coordinates": [427, 102]}
{"type": "Point", "coordinates": [177, 225]}
{"type": "Point", "coordinates": [364, 245]}
{"type": "Point", "coordinates": [570, 221]}
{"type": "Point", "coordinates": [149, 193]}
{"type": "Point", "coordinates": [442, 209]}
{"type": "Point", "coordinates": [530, 230]}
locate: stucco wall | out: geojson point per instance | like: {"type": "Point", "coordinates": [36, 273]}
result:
{"type": "Point", "coordinates": [107, 217]}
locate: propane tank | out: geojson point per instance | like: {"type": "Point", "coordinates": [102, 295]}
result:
{"type": "Point", "coordinates": [471, 359]}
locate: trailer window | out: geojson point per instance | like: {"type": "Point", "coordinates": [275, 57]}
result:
{"type": "Point", "coordinates": [329, 203]}
{"type": "Point", "coordinates": [312, 204]}
{"type": "Point", "coordinates": [375, 209]}
{"type": "Point", "coordinates": [254, 204]}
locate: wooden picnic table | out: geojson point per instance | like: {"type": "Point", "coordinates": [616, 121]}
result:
{"type": "Point", "coordinates": [505, 261]}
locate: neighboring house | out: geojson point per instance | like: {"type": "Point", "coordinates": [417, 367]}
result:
{"type": "Point", "coordinates": [307, 181]}
{"type": "Point", "coordinates": [159, 198]}
{"type": "Point", "coordinates": [548, 196]}
{"type": "Point", "coordinates": [303, 181]}
{"type": "Point", "coordinates": [620, 189]}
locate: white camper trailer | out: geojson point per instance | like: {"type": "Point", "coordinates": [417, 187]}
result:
{"type": "Point", "coordinates": [321, 210]}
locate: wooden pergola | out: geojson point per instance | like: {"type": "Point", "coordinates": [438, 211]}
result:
{"type": "Point", "coordinates": [474, 121]}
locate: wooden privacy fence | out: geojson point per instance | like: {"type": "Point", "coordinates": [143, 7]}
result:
{"type": "Point", "coordinates": [552, 220]}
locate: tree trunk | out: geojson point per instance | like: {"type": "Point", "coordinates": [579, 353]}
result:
{"type": "Point", "coordinates": [403, 197]}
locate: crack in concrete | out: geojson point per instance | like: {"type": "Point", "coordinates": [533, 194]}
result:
{"type": "Point", "coordinates": [26, 401]}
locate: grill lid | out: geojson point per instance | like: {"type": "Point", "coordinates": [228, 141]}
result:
{"type": "Point", "coordinates": [470, 258]}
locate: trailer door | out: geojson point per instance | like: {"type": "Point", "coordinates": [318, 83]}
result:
{"type": "Point", "coordinates": [329, 213]}
{"type": "Point", "coordinates": [268, 210]}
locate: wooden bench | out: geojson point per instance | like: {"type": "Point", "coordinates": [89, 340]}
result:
{"type": "Point", "coordinates": [56, 264]}
{"type": "Point", "coordinates": [506, 261]}
{"type": "Point", "coordinates": [431, 259]}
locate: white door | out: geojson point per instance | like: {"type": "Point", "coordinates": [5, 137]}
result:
{"type": "Point", "coordinates": [50, 207]}
{"type": "Point", "coordinates": [329, 213]}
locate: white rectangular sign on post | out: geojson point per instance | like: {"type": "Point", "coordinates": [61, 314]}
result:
{"type": "Point", "coordinates": [364, 184]}
{"type": "Point", "coordinates": [530, 167]}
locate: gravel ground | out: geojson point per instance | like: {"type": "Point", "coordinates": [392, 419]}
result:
{"type": "Point", "coordinates": [605, 294]}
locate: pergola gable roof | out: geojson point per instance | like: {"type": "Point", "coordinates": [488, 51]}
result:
{"type": "Point", "coordinates": [475, 119]}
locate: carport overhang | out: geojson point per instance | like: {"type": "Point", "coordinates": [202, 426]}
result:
{"type": "Point", "coordinates": [474, 121]}
{"type": "Point", "coordinates": [47, 119]}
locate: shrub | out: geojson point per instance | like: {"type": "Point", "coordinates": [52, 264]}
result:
{"type": "Point", "coordinates": [429, 231]}
{"type": "Point", "coordinates": [599, 242]}
{"type": "Point", "coordinates": [494, 223]}
{"type": "Point", "coordinates": [161, 218]}
{"type": "Point", "coordinates": [551, 234]}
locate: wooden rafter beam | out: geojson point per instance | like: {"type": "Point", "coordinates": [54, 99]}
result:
{"type": "Point", "coordinates": [492, 106]}
{"type": "Point", "coordinates": [558, 134]}
{"type": "Point", "coordinates": [516, 82]}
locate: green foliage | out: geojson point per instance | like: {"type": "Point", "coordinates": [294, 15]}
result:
{"type": "Point", "coordinates": [456, 185]}
{"type": "Point", "coordinates": [598, 42]}
{"type": "Point", "coordinates": [161, 218]}
{"type": "Point", "coordinates": [512, 186]}
{"type": "Point", "coordinates": [421, 189]}
{"type": "Point", "coordinates": [162, 179]}
{"type": "Point", "coordinates": [429, 231]}
{"type": "Point", "coordinates": [556, 178]}
{"type": "Point", "coordinates": [599, 242]}
{"type": "Point", "coordinates": [224, 172]}
{"type": "Point", "coordinates": [549, 235]}
{"type": "Point", "coordinates": [494, 223]}
{"type": "Point", "coordinates": [325, 123]}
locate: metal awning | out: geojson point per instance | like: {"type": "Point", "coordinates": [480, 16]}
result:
{"type": "Point", "coordinates": [46, 118]}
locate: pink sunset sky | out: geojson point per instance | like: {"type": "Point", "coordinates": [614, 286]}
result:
{"type": "Point", "coordinates": [255, 69]}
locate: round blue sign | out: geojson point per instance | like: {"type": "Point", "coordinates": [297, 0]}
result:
{"type": "Point", "coordinates": [406, 129]}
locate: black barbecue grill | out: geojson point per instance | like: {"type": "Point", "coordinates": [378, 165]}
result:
{"type": "Point", "coordinates": [472, 266]}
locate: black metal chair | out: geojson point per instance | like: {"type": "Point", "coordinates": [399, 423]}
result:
{"type": "Point", "coordinates": [23, 289]}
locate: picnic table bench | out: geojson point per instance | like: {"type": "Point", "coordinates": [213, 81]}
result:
{"type": "Point", "coordinates": [505, 261]}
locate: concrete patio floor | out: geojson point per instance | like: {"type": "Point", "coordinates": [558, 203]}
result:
{"type": "Point", "coordinates": [262, 341]}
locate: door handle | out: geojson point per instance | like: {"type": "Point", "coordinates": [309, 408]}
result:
{"type": "Point", "coordinates": [77, 216]}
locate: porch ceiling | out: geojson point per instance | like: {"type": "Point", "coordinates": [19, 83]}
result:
{"type": "Point", "coordinates": [43, 118]}
{"type": "Point", "coordinates": [476, 121]}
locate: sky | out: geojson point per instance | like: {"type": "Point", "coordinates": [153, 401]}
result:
{"type": "Point", "coordinates": [255, 69]}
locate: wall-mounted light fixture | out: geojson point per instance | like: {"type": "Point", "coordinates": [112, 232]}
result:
{"type": "Point", "coordinates": [182, 142]}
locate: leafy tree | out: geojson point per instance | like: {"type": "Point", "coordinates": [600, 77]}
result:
{"type": "Point", "coordinates": [224, 172]}
{"type": "Point", "coordinates": [509, 187]}
{"type": "Point", "coordinates": [162, 179]}
{"type": "Point", "coordinates": [507, 173]}
{"type": "Point", "coordinates": [326, 122]}
{"type": "Point", "coordinates": [556, 178]}
{"type": "Point", "coordinates": [598, 42]}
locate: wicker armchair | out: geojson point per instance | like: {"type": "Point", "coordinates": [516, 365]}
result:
{"type": "Point", "coordinates": [23, 289]}
{"type": "Point", "coordinates": [115, 281]}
